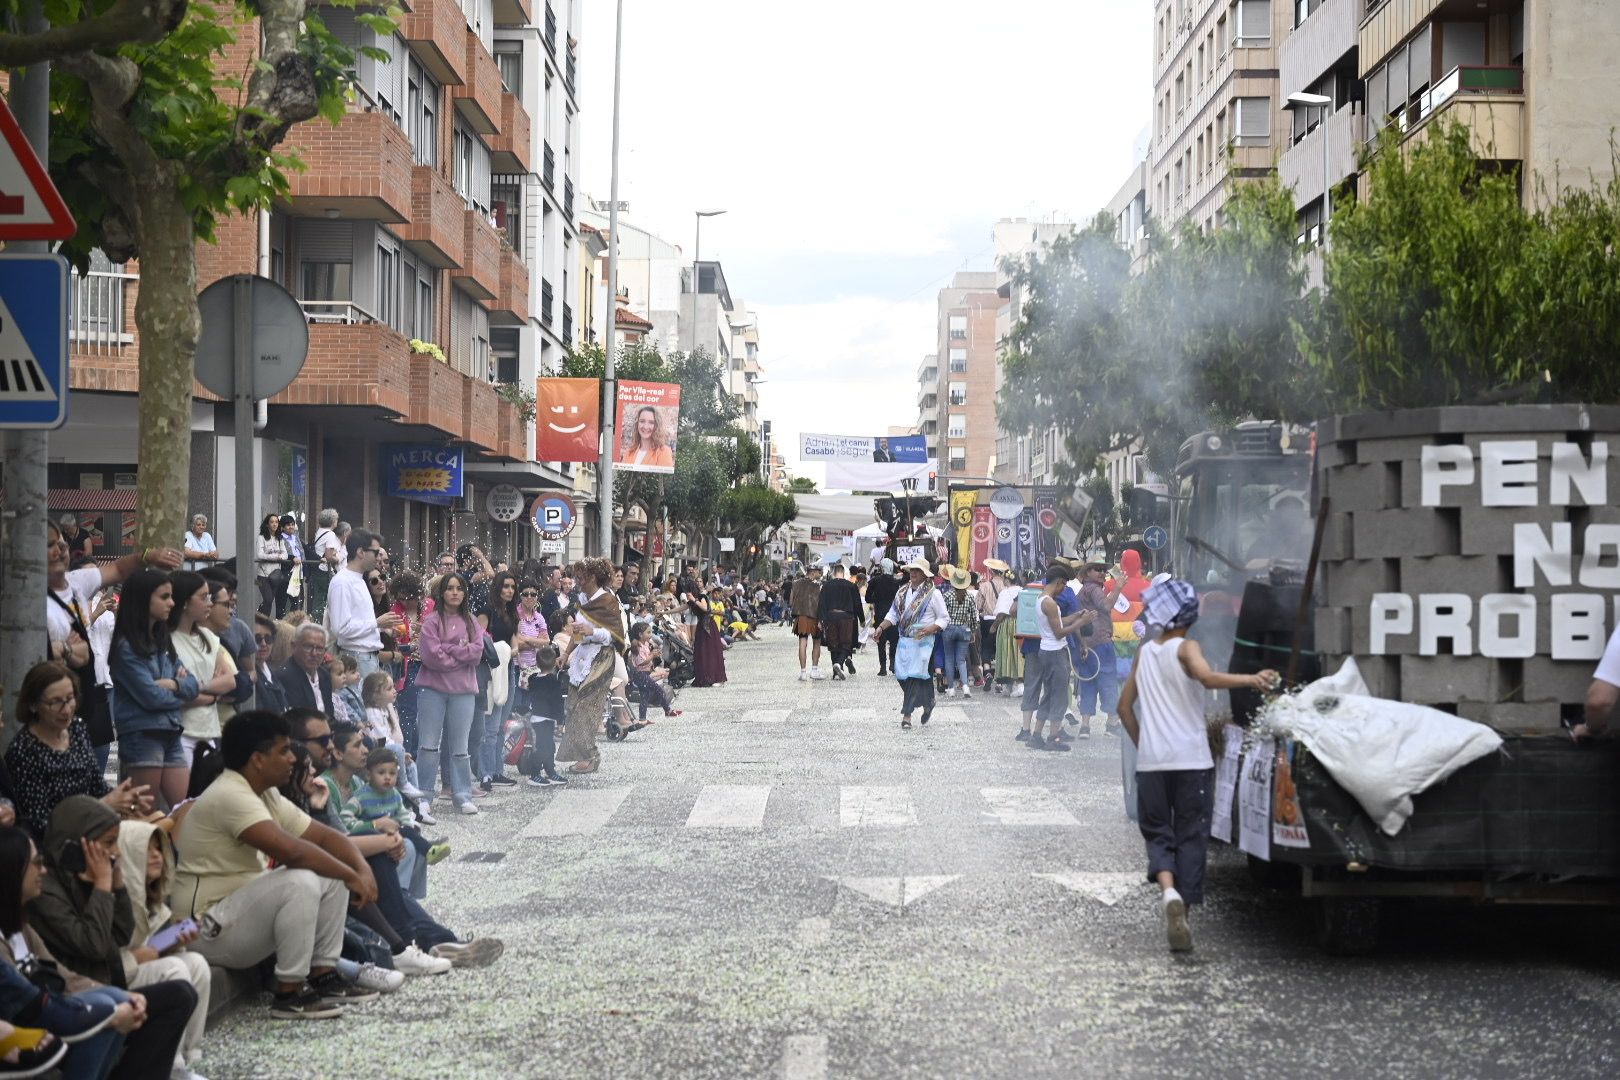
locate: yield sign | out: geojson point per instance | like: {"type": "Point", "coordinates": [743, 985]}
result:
{"type": "Point", "coordinates": [30, 206]}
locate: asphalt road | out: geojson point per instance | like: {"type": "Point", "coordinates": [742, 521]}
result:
{"type": "Point", "coordinates": [782, 883]}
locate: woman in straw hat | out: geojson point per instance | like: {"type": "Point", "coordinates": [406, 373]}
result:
{"type": "Point", "coordinates": [918, 612]}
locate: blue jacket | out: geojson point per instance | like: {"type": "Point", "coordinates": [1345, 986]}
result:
{"type": "Point", "coordinates": [138, 702]}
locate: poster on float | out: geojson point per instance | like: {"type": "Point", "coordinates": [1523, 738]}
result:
{"type": "Point", "coordinates": [568, 420]}
{"type": "Point", "coordinates": [648, 416]}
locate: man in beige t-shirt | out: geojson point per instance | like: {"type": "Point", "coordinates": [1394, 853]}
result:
{"type": "Point", "coordinates": [247, 912]}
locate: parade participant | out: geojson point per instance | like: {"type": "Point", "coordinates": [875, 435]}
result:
{"type": "Point", "coordinates": [1097, 595]}
{"type": "Point", "coordinates": [596, 635]}
{"type": "Point", "coordinates": [963, 608]}
{"type": "Point", "coordinates": [1048, 671]}
{"type": "Point", "coordinates": [806, 601]}
{"type": "Point", "coordinates": [918, 613]}
{"type": "Point", "coordinates": [1004, 628]}
{"type": "Point", "coordinates": [1162, 709]}
{"type": "Point", "coordinates": [992, 583]}
{"type": "Point", "coordinates": [880, 590]}
{"type": "Point", "coordinates": [839, 614]}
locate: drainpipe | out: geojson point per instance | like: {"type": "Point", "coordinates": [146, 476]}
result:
{"type": "Point", "coordinates": [261, 409]}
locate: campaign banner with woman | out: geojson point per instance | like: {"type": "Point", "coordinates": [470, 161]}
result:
{"type": "Point", "coordinates": [648, 416]}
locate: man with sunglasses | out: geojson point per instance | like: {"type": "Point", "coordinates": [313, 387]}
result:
{"type": "Point", "coordinates": [351, 614]}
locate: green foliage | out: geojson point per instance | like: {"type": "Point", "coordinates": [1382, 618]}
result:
{"type": "Point", "coordinates": [525, 401]}
{"type": "Point", "coordinates": [802, 485]}
{"type": "Point", "coordinates": [640, 361]}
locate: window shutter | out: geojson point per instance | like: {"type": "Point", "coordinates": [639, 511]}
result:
{"type": "Point", "coordinates": [326, 241]}
{"type": "Point", "coordinates": [1420, 59]}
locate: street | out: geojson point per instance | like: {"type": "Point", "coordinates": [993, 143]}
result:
{"type": "Point", "coordinates": [781, 883]}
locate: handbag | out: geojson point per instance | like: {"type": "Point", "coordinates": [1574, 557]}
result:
{"type": "Point", "coordinates": [43, 974]}
{"type": "Point", "coordinates": [295, 582]}
{"type": "Point", "coordinates": [491, 659]}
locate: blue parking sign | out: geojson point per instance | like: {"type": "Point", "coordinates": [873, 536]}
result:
{"type": "Point", "coordinates": [33, 341]}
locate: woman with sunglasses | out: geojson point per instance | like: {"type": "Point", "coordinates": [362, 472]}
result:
{"type": "Point", "coordinates": [499, 620]}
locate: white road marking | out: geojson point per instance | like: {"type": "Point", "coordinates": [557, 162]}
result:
{"type": "Point", "coordinates": [804, 1057]}
{"type": "Point", "coordinates": [577, 811]}
{"type": "Point", "coordinates": [1026, 806]}
{"type": "Point", "coordinates": [766, 716]}
{"type": "Point", "coordinates": [814, 931]}
{"type": "Point", "coordinates": [875, 806]}
{"type": "Point", "coordinates": [897, 892]}
{"type": "Point", "coordinates": [948, 714]}
{"type": "Point", "coordinates": [1105, 887]}
{"type": "Point", "coordinates": [729, 806]}
{"type": "Point", "coordinates": [859, 715]}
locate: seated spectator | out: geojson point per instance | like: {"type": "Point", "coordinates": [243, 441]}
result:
{"type": "Point", "coordinates": [147, 855]}
{"type": "Point", "coordinates": [267, 691]}
{"type": "Point", "coordinates": [372, 806]}
{"type": "Point", "coordinates": [51, 757]}
{"type": "Point", "coordinates": [305, 681]}
{"type": "Point", "coordinates": [117, 1033]}
{"type": "Point", "coordinates": [347, 705]}
{"type": "Point", "coordinates": [248, 913]}
{"type": "Point", "coordinates": [28, 1051]}
{"type": "Point", "coordinates": [382, 727]}
{"type": "Point", "coordinates": [150, 687]}
{"type": "Point", "coordinates": [85, 913]}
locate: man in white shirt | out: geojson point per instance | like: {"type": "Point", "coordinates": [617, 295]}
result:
{"type": "Point", "coordinates": [318, 574]}
{"type": "Point", "coordinates": [1604, 692]}
{"type": "Point", "coordinates": [351, 617]}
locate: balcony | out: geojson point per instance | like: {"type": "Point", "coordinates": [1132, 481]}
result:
{"type": "Point", "coordinates": [436, 231]}
{"type": "Point", "coordinates": [514, 12]}
{"type": "Point", "coordinates": [478, 100]}
{"type": "Point", "coordinates": [1300, 167]}
{"type": "Point", "coordinates": [1488, 101]}
{"type": "Point", "coordinates": [480, 275]}
{"type": "Point", "coordinates": [512, 434]}
{"type": "Point", "coordinates": [360, 169]}
{"type": "Point", "coordinates": [545, 302]}
{"type": "Point", "coordinates": [480, 414]}
{"type": "Point", "coordinates": [436, 399]}
{"type": "Point", "coordinates": [436, 32]}
{"type": "Point", "coordinates": [548, 169]}
{"type": "Point", "coordinates": [568, 324]}
{"type": "Point", "coordinates": [551, 31]}
{"type": "Point", "coordinates": [512, 150]}
{"type": "Point", "coordinates": [102, 321]}
{"type": "Point", "coordinates": [352, 361]}
{"type": "Point", "coordinates": [511, 306]}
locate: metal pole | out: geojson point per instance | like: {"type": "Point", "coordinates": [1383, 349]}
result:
{"type": "Point", "coordinates": [25, 508]}
{"type": "Point", "coordinates": [1327, 181]}
{"type": "Point", "coordinates": [247, 503]}
{"type": "Point", "coordinates": [610, 427]}
{"type": "Point", "coordinates": [697, 257]}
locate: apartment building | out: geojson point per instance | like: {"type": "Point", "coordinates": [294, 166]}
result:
{"type": "Point", "coordinates": [1021, 458]}
{"type": "Point", "coordinates": [438, 212]}
{"type": "Point", "coordinates": [967, 374]}
{"type": "Point", "coordinates": [928, 403]}
{"type": "Point", "coordinates": [1216, 111]}
{"type": "Point", "coordinates": [1325, 115]}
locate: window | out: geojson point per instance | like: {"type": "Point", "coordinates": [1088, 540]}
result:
{"type": "Point", "coordinates": [958, 360]}
{"type": "Point", "coordinates": [510, 61]}
{"type": "Point", "coordinates": [422, 114]}
{"type": "Point", "coordinates": [957, 428]}
{"type": "Point", "coordinates": [1181, 95]}
{"type": "Point", "coordinates": [387, 310]}
{"type": "Point", "coordinates": [958, 329]}
{"type": "Point", "coordinates": [1253, 22]}
{"type": "Point", "coordinates": [958, 459]}
{"type": "Point", "coordinates": [422, 317]}
{"type": "Point", "coordinates": [958, 392]}
{"type": "Point", "coordinates": [328, 281]}
{"type": "Point", "coordinates": [1253, 121]}
{"type": "Point", "coordinates": [1220, 130]}
{"type": "Point", "coordinates": [471, 168]}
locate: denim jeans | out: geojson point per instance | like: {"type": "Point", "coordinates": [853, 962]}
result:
{"type": "Point", "coordinates": [955, 664]}
{"type": "Point", "coordinates": [444, 720]}
{"type": "Point", "coordinates": [407, 771]}
{"type": "Point", "coordinates": [95, 1057]}
{"type": "Point", "coordinates": [490, 757]}
{"type": "Point", "coordinates": [1104, 689]}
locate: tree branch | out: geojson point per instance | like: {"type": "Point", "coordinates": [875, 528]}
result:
{"type": "Point", "coordinates": [279, 95]}
{"type": "Point", "coordinates": [127, 22]}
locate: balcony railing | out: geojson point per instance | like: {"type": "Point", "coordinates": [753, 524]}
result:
{"type": "Point", "coordinates": [340, 312]}
{"type": "Point", "coordinates": [1473, 81]}
{"type": "Point", "coordinates": [548, 169]}
{"type": "Point", "coordinates": [568, 199]}
{"type": "Point", "coordinates": [551, 30]}
{"type": "Point", "coordinates": [568, 323]}
{"type": "Point", "coordinates": [97, 324]}
{"type": "Point", "coordinates": [545, 302]}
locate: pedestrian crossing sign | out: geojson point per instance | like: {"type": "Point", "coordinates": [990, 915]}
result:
{"type": "Point", "coordinates": [33, 341]}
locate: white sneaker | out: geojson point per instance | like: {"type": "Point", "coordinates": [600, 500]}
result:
{"type": "Point", "coordinates": [804, 676]}
{"type": "Point", "coordinates": [410, 791]}
{"type": "Point", "coordinates": [424, 815]}
{"type": "Point", "coordinates": [1018, 690]}
{"type": "Point", "coordinates": [817, 673]}
{"type": "Point", "coordinates": [967, 693]}
{"type": "Point", "coordinates": [467, 808]}
{"type": "Point", "coordinates": [414, 961]}
{"type": "Point", "coordinates": [950, 691]}
{"type": "Point", "coordinates": [380, 979]}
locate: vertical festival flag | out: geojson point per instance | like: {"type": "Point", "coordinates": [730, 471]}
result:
{"type": "Point", "coordinates": [962, 521]}
{"type": "Point", "coordinates": [649, 415]}
{"type": "Point", "coordinates": [1028, 553]}
{"type": "Point", "coordinates": [568, 419]}
{"type": "Point", "coordinates": [984, 535]}
{"type": "Point", "coordinates": [1046, 523]}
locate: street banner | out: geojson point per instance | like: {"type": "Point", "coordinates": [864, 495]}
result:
{"type": "Point", "coordinates": [872, 449]}
{"type": "Point", "coordinates": [962, 526]}
{"type": "Point", "coordinates": [983, 535]}
{"type": "Point", "coordinates": [1046, 523]}
{"type": "Point", "coordinates": [867, 476]}
{"type": "Point", "coordinates": [568, 419]}
{"type": "Point", "coordinates": [648, 417]}
{"type": "Point", "coordinates": [1006, 533]}
{"type": "Point", "coordinates": [1029, 557]}
{"type": "Point", "coordinates": [423, 472]}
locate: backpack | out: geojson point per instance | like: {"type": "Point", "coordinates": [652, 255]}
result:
{"type": "Point", "coordinates": [312, 551]}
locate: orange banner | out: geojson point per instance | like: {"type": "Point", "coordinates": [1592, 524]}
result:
{"type": "Point", "coordinates": [568, 420]}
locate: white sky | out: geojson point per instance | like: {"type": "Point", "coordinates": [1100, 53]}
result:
{"type": "Point", "coordinates": [863, 153]}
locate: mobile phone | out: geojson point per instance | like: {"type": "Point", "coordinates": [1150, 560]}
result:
{"type": "Point", "coordinates": [71, 859]}
{"type": "Point", "coordinates": [169, 936]}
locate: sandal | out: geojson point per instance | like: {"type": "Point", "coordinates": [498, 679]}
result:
{"type": "Point", "coordinates": [673, 712]}
{"type": "Point", "coordinates": [905, 723]}
{"type": "Point", "coordinates": [582, 767]}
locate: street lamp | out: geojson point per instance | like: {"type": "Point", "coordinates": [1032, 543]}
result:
{"type": "Point", "coordinates": [604, 468]}
{"type": "Point", "coordinates": [697, 254]}
{"type": "Point", "coordinates": [1303, 100]}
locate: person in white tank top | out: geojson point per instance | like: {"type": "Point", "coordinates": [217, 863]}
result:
{"type": "Point", "coordinates": [1162, 708]}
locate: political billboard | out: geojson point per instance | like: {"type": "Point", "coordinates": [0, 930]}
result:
{"type": "Point", "coordinates": [648, 418]}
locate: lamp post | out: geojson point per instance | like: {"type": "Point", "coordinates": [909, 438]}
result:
{"type": "Point", "coordinates": [1304, 100]}
{"type": "Point", "coordinates": [697, 255]}
{"type": "Point", "coordinates": [609, 428]}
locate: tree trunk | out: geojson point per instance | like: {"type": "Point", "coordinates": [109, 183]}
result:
{"type": "Point", "coordinates": [167, 317]}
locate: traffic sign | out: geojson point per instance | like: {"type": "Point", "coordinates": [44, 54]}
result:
{"type": "Point", "coordinates": [277, 343]}
{"type": "Point", "coordinates": [553, 515]}
{"type": "Point", "coordinates": [33, 340]}
{"type": "Point", "coordinates": [1155, 537]}
{"type": "Point", "coordinates": [30, 206]}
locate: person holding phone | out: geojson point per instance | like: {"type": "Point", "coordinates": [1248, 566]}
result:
{"type": "Point", "coordinates": [86, 913]}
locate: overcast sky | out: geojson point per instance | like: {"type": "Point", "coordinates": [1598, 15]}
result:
{"type": "Point", "coordinates": [863, 153]}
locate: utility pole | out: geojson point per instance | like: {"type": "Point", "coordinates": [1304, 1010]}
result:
{"type": "Point", "coordinates": [609, 426]}
{"type": "Point", "coordinates": [25, 453]}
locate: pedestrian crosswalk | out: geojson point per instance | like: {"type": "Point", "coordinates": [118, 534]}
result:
{"type": "Point", "coordinates": [581, 811]}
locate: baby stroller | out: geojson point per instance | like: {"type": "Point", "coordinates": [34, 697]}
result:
{"type": "Point", "coordinates": [677, 655]}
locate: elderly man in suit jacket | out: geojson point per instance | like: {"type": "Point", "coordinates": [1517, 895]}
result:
{"type": "Point", "coordinates": [304, 679]}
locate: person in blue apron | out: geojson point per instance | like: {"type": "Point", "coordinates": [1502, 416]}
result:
{"type": "Point", "coordinates": [919, 614]}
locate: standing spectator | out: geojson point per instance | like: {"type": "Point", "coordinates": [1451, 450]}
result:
{"type": "Point", "coordinates": [50, 759]}
{"type": "Point", "coordinates": [499, 621]}
{"type": "Point", "coordinates": [197, 546]}
{"type": "Point", "coordinates": [406, 593]}
{"type": "Point", "coordinates": [351, 614]}
{"type": "Point", "coordinates": [633, 585]}
{"type": "Point", "coordinates": [80, 544]}
{"type": "Point", "coordinates": [474, 565]}
{"type": "Point", "coordinates": [269, 559]}
{"type": "Point", "coordinates": [328, 561]}
{"type": "Point", "coordinates": [296, 912]}
{"type": "Point", "coordinates": [1162, 710]}
{"type": "Point", "coordinates": [294, 546]}
{"type": "Point", "coordinates": [150, 687]}
{"type": "Point", "coordinates": [450, 646]}
{"type": "Point", "coordinates": [304, 680]}
{"type": "Point", "coordinates": [199, 651]}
